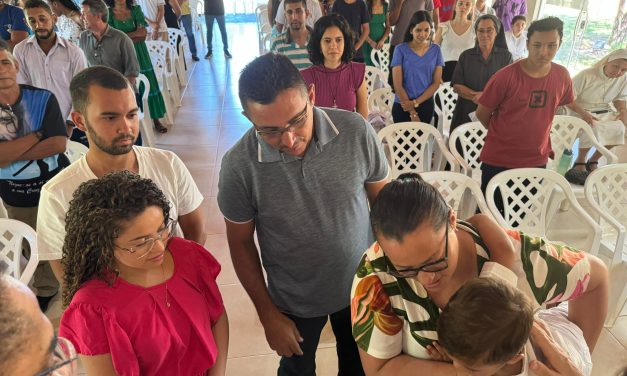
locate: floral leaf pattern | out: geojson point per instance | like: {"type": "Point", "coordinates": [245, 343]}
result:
{"type": "Point", "coordinates": [390, 316]}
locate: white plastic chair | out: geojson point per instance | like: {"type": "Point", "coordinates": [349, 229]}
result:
{"type": "Point", "coordinates": [3, 210]}
{"type": "Point", "coordinates": [75, 150]}
{"type": "Point", "coordinates": [375, 79]}
{"type": "Point", "coordinates": [145, 122]}
{"type": "Point", "coordinates": [166, 51]}
{"type": "Point", "coordinates": [381, 101]}
{"type": "Point", "coordinates": [174, 36]}
{"type": "Point", "coordinates": [381, 58]}
{"type": "Point", "coordinates": [409, 147]}
{"type": "Point", "coordinates": [530, 197]}
{"type": "Point", "coordinates": [159, 66]}
{"type": "Point", "coordinates": [606, 192]}
{"type": "Point", "coordinates": [461, 192]}
{"type": "Point", "coordinates": [265, 41]}
{"type": "Point", "coordinates": [197, 9]}
{"type": "Point", "coordinates": [12, 234]}
{"type": "Point", "coordinates": [471, 136]}
{"type": "Point", "coordinates": [448, 100]}
{"type": "Point", "coordinates": [565, 130]}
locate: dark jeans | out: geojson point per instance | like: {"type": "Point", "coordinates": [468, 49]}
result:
{"type": "Point", "coordinates": [487, 173]}
{"type": "Point", "coordinates": [425, 112]}
{"type": "Point", "coordinates": [186, 20]}
{"type": "Point", "coordinates": [310, 329]}
{"type": "Point", "coordinates": [209, 21]}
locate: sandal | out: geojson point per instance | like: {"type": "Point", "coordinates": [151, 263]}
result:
{"type": "Point", "coordinates": [577, 176]}
{"type": "Point", "coordinates": [590, 163]}
{"type": "Point", "coordinates": [160, 128]}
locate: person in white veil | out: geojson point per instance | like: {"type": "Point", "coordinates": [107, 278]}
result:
{"type": "Point", "coordinates": [601, 100]}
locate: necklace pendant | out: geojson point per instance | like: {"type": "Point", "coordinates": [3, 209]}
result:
{"type": "Point", "coordinates": [167, 304]}
{"type": "Point", "coordinates": [334, 105]}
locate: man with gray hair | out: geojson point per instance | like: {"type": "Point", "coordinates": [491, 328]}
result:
{"type": "Point", "coordinates": [32, 142]}
{"type": "Point", "coordinates": [104, 45]}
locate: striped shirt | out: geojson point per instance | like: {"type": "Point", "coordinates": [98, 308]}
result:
{"type": "Point", "coordinates": [283, 44]}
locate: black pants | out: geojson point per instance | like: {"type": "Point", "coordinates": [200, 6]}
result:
{"type": "Point", "coordinates": [390, 79]}
{"type": "Point", "coordinates": [424, 111]}
{"type": "Point", "coordinates": [310, 329]}
{"type": "Point", "coordinates": [487, 173]}
{"type": "Point", "coordinates": [449, 68]}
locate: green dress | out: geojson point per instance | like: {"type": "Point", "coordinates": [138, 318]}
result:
{"type": "Point", "coordinates": [155, 100]}
{"type": "Point", "coordinates": [377, 28]}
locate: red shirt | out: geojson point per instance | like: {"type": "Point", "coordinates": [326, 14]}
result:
{"type": "Point", "coordinates": [520, 127]}
{"type": "Point", "coordinates": [142, 334]}
{"type": "Point", "coordinates": [446, 9]}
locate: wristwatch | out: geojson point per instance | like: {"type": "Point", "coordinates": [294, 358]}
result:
{"type": "Point", "coordinates": [416, 103]}
{"type": "Point", "coordinates": [39, 134]}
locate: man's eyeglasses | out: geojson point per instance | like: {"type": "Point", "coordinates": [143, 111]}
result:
{"type": "Point", "coordinates": [275, 131]}
{"type": "Point", "coordinates": [489, 30]}
{"type": "Point", "coordinates": [62, 360]}
{"type": "Point", "coordinates": [8, 118]}
{"type": "Point", "coordinates": [431, 267]}
{"type": "Point", "coordinates": [143, 248]}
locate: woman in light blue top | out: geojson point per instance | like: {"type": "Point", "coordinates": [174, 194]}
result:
{"type": "Point", "coordinates": [417, 71]}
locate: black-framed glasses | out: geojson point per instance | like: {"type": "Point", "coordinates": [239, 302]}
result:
{"type": "Point", "coordinates": [63, 359]}
{"type": "Point", "coordinates": [143, 248]}
{"type": "Point", "coordinates": [8, 118]}
{"type": "Point", "coordinates": [275, 131]}
{"type": "Point", "coordinates": [431, 267]}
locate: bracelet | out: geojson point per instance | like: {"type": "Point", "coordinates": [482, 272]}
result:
{"type": "Point", "coordinates": [416, 103]}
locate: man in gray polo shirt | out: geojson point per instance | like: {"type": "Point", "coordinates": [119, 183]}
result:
{"type": "Point", "coordinates": [104, 45]}
{"type": "Point", "coordinates": [302, 178]}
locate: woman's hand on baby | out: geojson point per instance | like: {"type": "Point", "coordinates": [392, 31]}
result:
{"type": "Point", "coordinates": [557, 361]}
{"type": "Point", "coordinates": [437, 352]}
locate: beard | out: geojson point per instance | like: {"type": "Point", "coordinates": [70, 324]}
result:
{"type": "Point", "coordinates": [45, 34]}
{"type": "Point", "coordinates": [113, 148]}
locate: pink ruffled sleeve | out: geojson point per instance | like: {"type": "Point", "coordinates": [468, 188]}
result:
{"type": "Point", "coordinates": [206, 269]}
{"type": "Point", "coordinates": [94, 331]}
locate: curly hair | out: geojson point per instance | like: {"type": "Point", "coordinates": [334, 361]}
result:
{"type": "Point", "coordinates": [98, 212]}
{"type": "Point", "coordinates": [323, 23]}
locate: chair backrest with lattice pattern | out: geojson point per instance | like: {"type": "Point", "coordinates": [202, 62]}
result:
{"type": "Point", "coordinates": [471, 136]}
{"type": "Point", "coordinates": [381, 58]}
{"type": "Point", "coordinates": [460, 192]}
{"type": "Point", "coordinates": [159, 66]}
{"type": "Point", "coordinates": [375, 79]}
{"type": "Point", "coordinates": [381, 101]}
{"type": "Point", "coordinates": [528, 194]}
{"type": "Point", "coordinates": [174, 35]}
{"type": "Point", "coordinates": [447, 101]}
{"type": "Point", "coordinates": [12, 234]}
{"type": "Point", "coordinates": [409, 146]}
{"type": "Point", "coordinates": [565, 130]}
{"type": "Point", "coordinates": [166, 51]}
{"type": "Point", "coordinates": [608, 187]}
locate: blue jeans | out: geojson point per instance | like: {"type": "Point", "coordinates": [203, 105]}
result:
{"type": "Point", "coordinates": [209, 21]}
{"type": "Point", "coordinates": [186, 20]}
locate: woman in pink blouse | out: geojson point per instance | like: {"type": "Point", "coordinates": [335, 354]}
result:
{"type": "Point", "coordinates": [338, 81]}
{"type": "Point", "coordinates": [139, 301]}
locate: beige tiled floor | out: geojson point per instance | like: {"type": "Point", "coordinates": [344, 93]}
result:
{"type": "Point", "coordinates": [207, 125]}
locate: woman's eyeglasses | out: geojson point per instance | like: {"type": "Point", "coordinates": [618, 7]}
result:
{"type": "Point", "coordinates": [143, 248]}
{"type": "Point", "coordinates": [431, 267]}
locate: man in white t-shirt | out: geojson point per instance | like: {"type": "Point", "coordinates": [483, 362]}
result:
{"type": "Point", "coordinates": [517, 38]}
{"type": "Point", "coordinates": [313, 9]}
{"type": "Point", "coordinates": [105, 109]}
{"type": "Point", "coordinates": [154, 12]}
